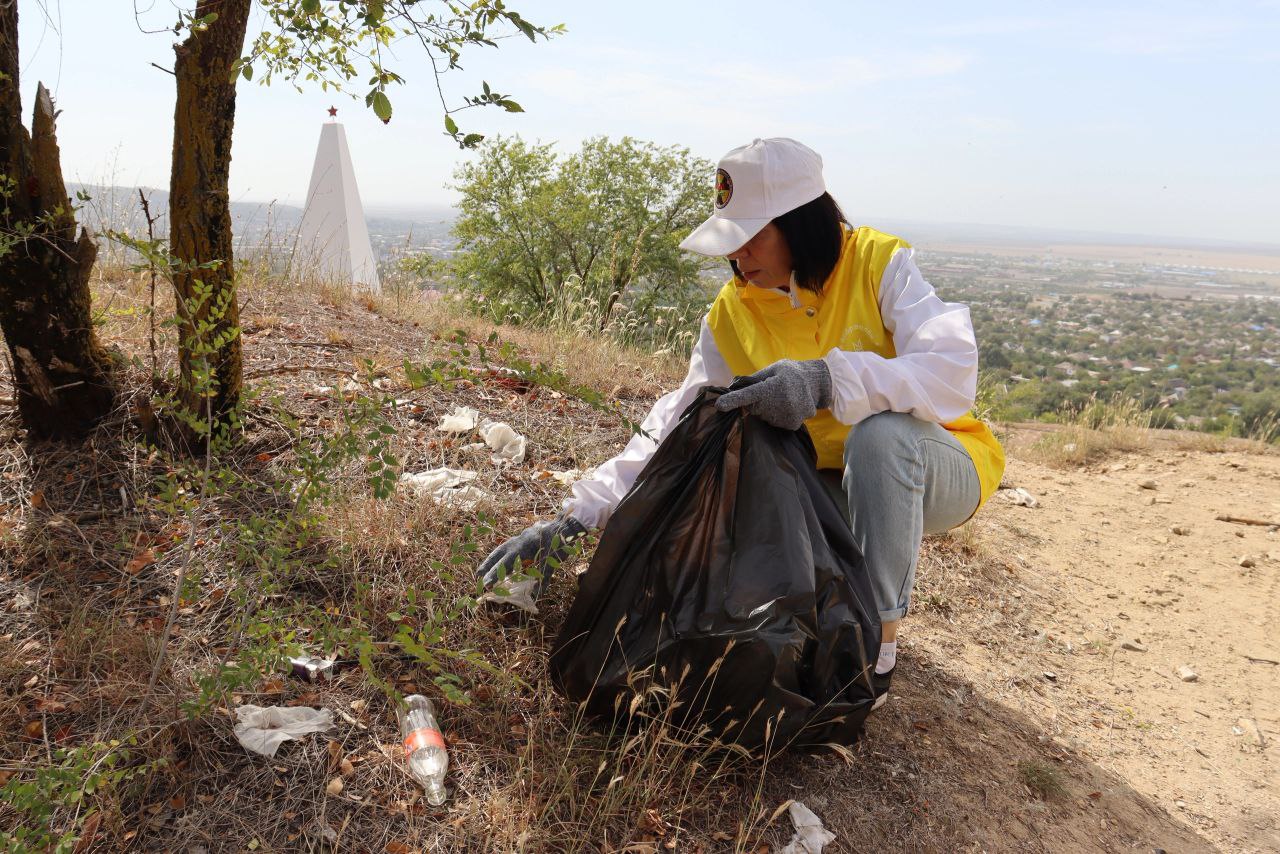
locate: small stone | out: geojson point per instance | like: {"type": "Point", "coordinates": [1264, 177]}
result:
{"type": "Point", "coordinates": [1163, 499]}
{"type": "Point", "coordinates": [1147, 484]}
{"type": "Point", "coordinates": [1187, 484]}
{"type": "Point", "coordinates": [1149, 500]}
{"type": "Point", "coordinates": [1247, 562]}
{"type": "Point", "coordinates": [1246, 726]}
{"type": "Point", "coordinates": [1113, 595]}
{"type": "Point", "coordinates": [1182, 805]}
{"type": "Point", "coordinates": [1180, 530]}
{"type": "Point", "coordinates": [1133, 646]}
{"type": "Point", "coordinates": [1051, 676]}
{"type": "Point", "coordinates": [1186, 674]}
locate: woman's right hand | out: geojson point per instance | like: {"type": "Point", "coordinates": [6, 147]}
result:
{"type": "Point", "coordinates": [538, 549]}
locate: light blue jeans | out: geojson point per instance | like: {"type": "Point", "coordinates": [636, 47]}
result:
{"type": "Point", "coordinates": [903, 478]}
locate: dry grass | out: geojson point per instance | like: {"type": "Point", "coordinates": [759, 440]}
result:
{"type": "Point", "coordinates": [1093, 432]}
{"type": "Point", "coordinates": [82, 623]}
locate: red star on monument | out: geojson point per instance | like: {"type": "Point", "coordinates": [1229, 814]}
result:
{"type": "Point", "coordinates": [333, 111]}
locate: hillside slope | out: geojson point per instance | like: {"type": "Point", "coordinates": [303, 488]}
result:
{"type": "Point", "coordinates": [1019, 721]}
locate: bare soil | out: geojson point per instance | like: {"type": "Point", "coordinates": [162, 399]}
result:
{"type": "Point", "coordinates": [1130, 551]}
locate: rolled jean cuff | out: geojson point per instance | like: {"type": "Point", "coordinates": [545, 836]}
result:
{"type": "Point", "coordinates": [892, 616]}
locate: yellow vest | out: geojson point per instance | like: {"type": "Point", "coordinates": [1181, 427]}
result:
{"type": "Point", "coordinates": [755, 327]}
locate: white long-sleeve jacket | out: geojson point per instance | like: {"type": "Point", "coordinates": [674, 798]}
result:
{"type": "Point", "coordinates": [933, 376]}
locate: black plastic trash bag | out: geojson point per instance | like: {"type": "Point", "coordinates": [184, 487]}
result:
{"type": "Point", "coordinates": [728, 577]}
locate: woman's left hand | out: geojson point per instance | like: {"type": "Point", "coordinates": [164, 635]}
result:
{"type": "Point", "coordinates": [785, 394]}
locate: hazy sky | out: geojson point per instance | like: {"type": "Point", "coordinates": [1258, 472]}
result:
{"type": "Point", "coordinates": [1156, 118]}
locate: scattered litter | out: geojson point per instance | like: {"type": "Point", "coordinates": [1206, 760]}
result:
{"type": "Point", "coordinates": [519, 593]}
{"type": "Point", "coordinates": [567, 478]}
{"type": "Point", "coordinates": [262, 729]}
{"type": "Point", "coordinates": [463, 420]}
{"type": "Point", "coordinates": [810, 835]}
{"type": "Point", "coordinates": [424, 746]}
{"type": "Point", "coordinates": [312, 669]}
{"type": "Point", "coordinates": [1018, 495]}
{"type": "Point", "coordinates": [1186, 674]}
{"type": "Point", "coordinates": [451, 487]}
{"type": "Point", "coordinates": [507, 444]}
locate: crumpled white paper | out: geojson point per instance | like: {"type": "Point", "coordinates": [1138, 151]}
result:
{"type": "Point", "coordinates": [810, 835]}
{"type": "Point", "coordinates": [262, 729]}
{"type": "Point", "coordinates": [507, 444]}
{"type": "Point", "coordinates": [463, 420]}
{"type": "Point", "coordinates": [519, 593]}
{"type": "Point", "coordinates": [570, 477]}
{"type": "Point", "coordinates": [1019, 496]}
{"type": "Point", "coordinates": [451, 487]}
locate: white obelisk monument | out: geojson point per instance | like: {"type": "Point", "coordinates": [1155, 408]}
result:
{"type": "Point", "coordinates": [333, 240]}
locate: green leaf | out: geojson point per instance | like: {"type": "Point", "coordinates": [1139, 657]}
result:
{"type": "Point", "coordinates": [382, 106]}
{"type": "Point", "coordinates": [471, 140]}
{"type": "Point", "coordinates": [510, 106]}
{"type": "Point", "coordinates": [247, 71]}
{"type": "Point", "coordinates": [450, 126]}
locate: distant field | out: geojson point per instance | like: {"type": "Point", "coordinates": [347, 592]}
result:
{"type": "Point", "coordinates": [1164, 255]}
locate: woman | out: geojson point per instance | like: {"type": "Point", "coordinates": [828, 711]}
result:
{"type": "Point", "coordinates": [842, 334]}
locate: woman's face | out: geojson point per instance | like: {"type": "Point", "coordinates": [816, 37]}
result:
{"type": "Point", "coordinates": [765, 260]}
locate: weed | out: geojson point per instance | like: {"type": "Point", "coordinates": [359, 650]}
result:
{"type": "Point", "coordinates": [59, 802]}
{"type": "Point", "coordinates": [1044, 780]}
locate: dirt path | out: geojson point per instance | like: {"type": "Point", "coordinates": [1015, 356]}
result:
{"type": "Point", "coordinates": [1120, 577]}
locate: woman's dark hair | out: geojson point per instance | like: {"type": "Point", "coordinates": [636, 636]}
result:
{"type": "Point", "coordinates": [813, 235]}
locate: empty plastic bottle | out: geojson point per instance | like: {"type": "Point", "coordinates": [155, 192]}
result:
{"type": "Point", "coordinates": [424, 746]}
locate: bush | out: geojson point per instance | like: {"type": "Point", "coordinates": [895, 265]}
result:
{"type": "Point", "coordinates": [588, 241]}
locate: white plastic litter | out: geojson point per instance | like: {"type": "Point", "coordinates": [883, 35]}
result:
{"type": "Point", "coordinates": [810, 835]}
{"type": "Point", "coordinates": [262, 729]}
{"type": "Point", "coordinates": [507, 444]}
{"type": "Point", "coordinates": [570, 477]}
{"type": "Point", "coordinates": [519, 593]}
{"type": "Point", "coordinates": [451, 487]}
{"type": "Point", "coordinates": [463, 420]}
{"type": "Point", "coordinates": [1019, 496]}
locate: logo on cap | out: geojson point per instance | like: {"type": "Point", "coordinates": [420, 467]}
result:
{"type": "Point", "coordinates": [724, 188]}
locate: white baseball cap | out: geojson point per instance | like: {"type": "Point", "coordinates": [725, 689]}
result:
{"type": "Point", "coordinates": [754, 184]}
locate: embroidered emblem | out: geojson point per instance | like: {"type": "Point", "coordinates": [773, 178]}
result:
{"type": "Point", "coordinates": [857, 337]}
{"type": "Point", "coordinates": [724, 188]}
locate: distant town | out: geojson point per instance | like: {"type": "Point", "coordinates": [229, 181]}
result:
{"type": "Point", "coordinates": [1197, 345]}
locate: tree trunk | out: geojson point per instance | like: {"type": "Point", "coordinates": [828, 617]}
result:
{"type": "Point", "coordinates": [61, 373]}
{"type": "Point", "coordinates": [200, 214]}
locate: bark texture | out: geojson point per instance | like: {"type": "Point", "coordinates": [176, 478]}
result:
{"type": "Point", "coordinates": [61, 373]}
{"type": "Point", "coordinates": [200, 209]}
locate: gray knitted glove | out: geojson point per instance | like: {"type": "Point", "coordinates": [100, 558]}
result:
{"type": "Point", "coordinates": [539, 549]}
{"type": "Point", "coordinates": [785, 394]}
